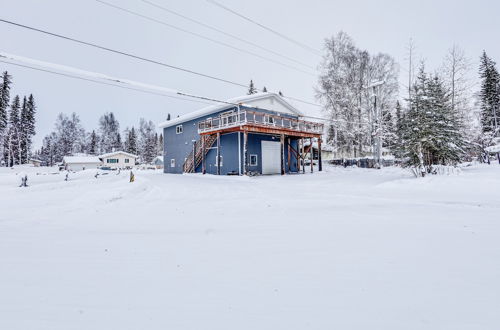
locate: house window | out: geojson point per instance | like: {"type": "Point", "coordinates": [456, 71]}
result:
{"type": "Point", "coordinates": [269, 120]}
{"type": "Point", "coordinates": [172, 163]}
{"type": "Point", "coordinates": [127, 160]}
{"type": "Point", "coordinates": [178, 129]}
{"type": "Point", "coordinates": [220, 160]}
{"type": "Point", "coordinates": [253, 160]}
{"type": "Point", "coordinates": [112, 161]}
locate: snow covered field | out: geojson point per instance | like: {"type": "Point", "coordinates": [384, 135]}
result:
{"type": "Point", "coordinates": [342, 249]}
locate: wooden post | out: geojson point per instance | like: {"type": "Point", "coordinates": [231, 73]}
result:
{"type": "Point", "coordinates": [320, 163]}
{"type": "Point", "coordinates": [289, 159]}
{"type": "Point", "coordinates": [303, 156]}
{"type": "Point", "coordinates": [203, 165]}
{"type": "Point", "coordinates": [311, 151]}
{"type": "Point", "coordinates": [218, 153]}
{"type": "Point", "coordinates": [282, 142]}
{"type": "Point", "coordinates": [194, 156]}
{"type": "Point", "coordinates": [245, 153]}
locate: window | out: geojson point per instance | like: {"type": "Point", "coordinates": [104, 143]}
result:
{"type": "Point", "coordinates": [172, 163]}
{"type": "Point", "coordinates": [112, 161]}
{"type": "Point", "coordinates": [220, 160]}
{"type": "Point", "coordinates": [127, 160]}
{"type": "Point", "coordinates": [269, 120]}
{"type": "Point", "coordinates": [253, 160]}
{"type": "Point", "coordinates": [178, 129]}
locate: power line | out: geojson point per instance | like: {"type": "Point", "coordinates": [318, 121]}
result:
{"type": "Point", "coordinates": [227, 33]}
{"type": "Point", "coordinates": [302, 45]}
{"type": "Point", "coordinates": [86, 43]}
{"type": "Point", "coordinates": [203, 37]}
{"type": "Point", "coordinates": [67, 75]}
{"type": "Point", "coordinates": [123, 53]}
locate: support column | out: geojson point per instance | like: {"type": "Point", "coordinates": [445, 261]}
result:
{"type": "Point", "coordinates": [311, 151]}
{"type": "Point", "coordinates": [303, 156]}
{"type": "Point", "coordinates": [245, 153]}
{"type": "Point", "coordinates": [194, 156]}
{"type": "Point", "coordinates": [203, 165]}
{"type": "Point", "coordinates": [289, 159]}
{"type": "Point", "coordinates": [282, 142]}
{"type": "Point", "coordinates": [218, 154]}
{"type": "Point", "coordinates": [320, 161]}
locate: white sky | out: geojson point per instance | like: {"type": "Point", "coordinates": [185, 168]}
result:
{"type": "Point", "coordinates": [378, 26]}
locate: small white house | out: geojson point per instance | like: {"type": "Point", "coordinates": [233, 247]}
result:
{"type": "Point", "coordinates": [79, 163]}
{"type": "Point", "coordinates": [118, 159]}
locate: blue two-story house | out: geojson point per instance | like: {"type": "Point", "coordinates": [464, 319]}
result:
{"type": "Point", "coordinates": [254, 134]}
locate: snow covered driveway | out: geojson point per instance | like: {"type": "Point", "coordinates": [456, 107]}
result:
{"type": "Point", "coordinates": [342, 249]}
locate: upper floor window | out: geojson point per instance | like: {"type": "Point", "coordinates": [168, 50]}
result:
{"type": "Point", "coordinates": [269, 120]}
{"type": "Point", "coordinates": [178, 129]}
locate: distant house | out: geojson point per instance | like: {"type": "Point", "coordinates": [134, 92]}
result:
{"type": "Point", "coordinates": [118, 159]}
{"type": "Point", "coordinates": [158, 162]}
{"type": "Point", "coordinates": [253, 134]}
{"type": "Point", "coordinates": [79, 163]}
{"type": "Point", "coordinates": [35, 162]}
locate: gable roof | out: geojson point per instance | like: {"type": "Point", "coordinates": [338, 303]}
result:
{"type": "Point", "coordinates": [242, 100]}
{"type": "Point", "coordinates": [81, 159]}
{"type": "Point", "coordinates": [111, 154]}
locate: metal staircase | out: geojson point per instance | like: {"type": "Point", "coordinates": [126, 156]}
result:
{"type": "Point", "coordinates": [201, 149]}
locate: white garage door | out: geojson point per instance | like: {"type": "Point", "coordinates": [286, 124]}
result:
{"type": "Point", "coordinates": [271, 157]}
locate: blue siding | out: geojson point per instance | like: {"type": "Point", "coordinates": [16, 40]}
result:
{"type": "Point", "coordinates": [178, 147]}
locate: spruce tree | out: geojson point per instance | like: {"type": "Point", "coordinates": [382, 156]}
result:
{"type": "Point", "coordinates": [93, 143]}
{"type": "Point", "coordinates": [251, 88]}
{"type": "Point", "coordinates": [264, 90]}
{"type": "Point", "coordinates": [489, 95]}
{"type": "Point", "coordinates": [13, 133]}
{"type": "Point", "coordinates": [4, 104]}
{"type": "Point", "coordinates": [132, 142]}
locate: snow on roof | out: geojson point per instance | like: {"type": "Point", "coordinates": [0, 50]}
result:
{"type": "Point", "coordinates": [111, 154]}
{"type": "Point", "coordinates": [160, 158]}
{"type": "Point", "coordinates": [493, 149]}
{"type": "Point", "coordinates": [242, 100]}
{"type": "Point", "coordinates": [81, 159]}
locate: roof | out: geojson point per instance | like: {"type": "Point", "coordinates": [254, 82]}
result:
{"type": "Point", "coordinates": [160, 158]}
{"type": "Point", "coordinates": [81, 159]}
{"type": "Point", "coordinates": [111, 154]}
{"type": "Point", "coordinates": [35, 160]}
{"type": "Point", "coordinates": [242, 100]}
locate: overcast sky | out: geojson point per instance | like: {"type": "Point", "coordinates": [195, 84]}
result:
{"type": "Point", "coordinates": [378, 26]}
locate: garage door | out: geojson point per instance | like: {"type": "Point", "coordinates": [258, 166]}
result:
{"type": "Point", "coordinates": [271, 157]}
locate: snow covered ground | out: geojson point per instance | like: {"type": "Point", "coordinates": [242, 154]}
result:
{"type": "Point", "coordinates": [342, 249]}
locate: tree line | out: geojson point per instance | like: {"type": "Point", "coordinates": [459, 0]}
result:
{"type": "Point", "coordinates": [439, 122]}
{"type": "Point", "coordinates": [17, 124]}
{"type": "Point", "coordinates": [70, 138]}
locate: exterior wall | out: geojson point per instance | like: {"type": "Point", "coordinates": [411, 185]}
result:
{"type": "Point", "coordinates": [82, 166]}
{"type": "Point", "coordinates": [121, 161]}
{"type": "Point", "coordinates": [179, 146]}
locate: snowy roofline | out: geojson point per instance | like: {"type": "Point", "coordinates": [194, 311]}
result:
{"type": "Point", "coordinates": [81, 159]}
{"type": "Point", "coordinates": [110, 154]}
{"type": "Point", "coordinates": [221, 106]}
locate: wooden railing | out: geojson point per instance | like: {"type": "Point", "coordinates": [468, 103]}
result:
{"type": "Point", "coordinates": [248, 117]}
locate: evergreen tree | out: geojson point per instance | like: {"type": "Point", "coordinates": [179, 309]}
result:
{"type": "Point", "coordinates": [12, 140]}
{"type": "Point", "coordinates": [264, 90]}
{"type": "Point", "coordinates": [160, 145]}
{"type": "Point", "coordinates": [27, 126]}
{"type": "Point", "coordinates": [93, 143]}
{"type": "Point", "coordinates": [251, 88]}
{"type": "Point", "coordinates": [432, 130]}
{"type": "Point", "coordinates": [131, 141]}
{"type": "Point", "coordinates": [4, 104]}
{"type": "Point", "coordinates": [168, 116]}
{"type": "Point", "coordinates": [489, 95]}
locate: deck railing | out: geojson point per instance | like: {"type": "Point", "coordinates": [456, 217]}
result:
{"type": "Point", "coordinates": [255, 118]}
